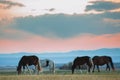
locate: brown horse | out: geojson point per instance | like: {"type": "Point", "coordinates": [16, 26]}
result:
{"type": "Point", "coordinates": [78, 61]}
{"type": "Point", "coordinates": [26, 61]}
{"type": "Point", "coordinates": [102, 60]}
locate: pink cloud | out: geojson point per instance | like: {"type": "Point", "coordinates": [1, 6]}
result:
{"type": "Point", "coordinates": [41, 44]}
{"type": "Point", "coordinates": [8, 9]}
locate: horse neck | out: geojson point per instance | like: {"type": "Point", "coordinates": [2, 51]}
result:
{"type": "Point", "coordinates": [19, 67]}
{"type": "Point", "coordinates": [47, 63]}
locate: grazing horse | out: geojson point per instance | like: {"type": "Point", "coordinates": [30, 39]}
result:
{"type": "Point", "coordinates": [26, 61]}
{"type": "Point", "coordinates": [102, 60]}
{"type": "Point", "coordinates": [48, 63]}
{"type": "Point", "coordinates": [78, 61]}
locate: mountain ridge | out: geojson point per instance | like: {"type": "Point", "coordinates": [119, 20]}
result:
{"type": "Point", "coordinates": [64, 57]}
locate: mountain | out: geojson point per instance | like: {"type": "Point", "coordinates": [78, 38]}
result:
{"type": "Point", "coordinates": [12, 59]}
{"type": "Point", "coordinates": [99, 52]}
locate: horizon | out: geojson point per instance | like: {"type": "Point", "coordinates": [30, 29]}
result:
{"type": "Point", "coordinates": [13, 59]}
{"type": "Point", "coordinates": [56, 26]}
{"type": "Point", "coordinates": [59, 51]}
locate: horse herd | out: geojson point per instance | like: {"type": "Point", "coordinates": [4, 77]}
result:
{"type": "Point", "coordinates": [91, 63]}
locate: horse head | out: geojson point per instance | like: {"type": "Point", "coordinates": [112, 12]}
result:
{"type": "Point", "coordinates": [19, 69]}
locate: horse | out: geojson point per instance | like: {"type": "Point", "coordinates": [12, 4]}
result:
{"type": "Point", "coordinates": [26, 61]}
{"type": "Point", "coordinates": [79, 61]}
{"type": "Point", "coordinates": [48, 63]}
{"type": "Point", "coordinates": [102, 60]}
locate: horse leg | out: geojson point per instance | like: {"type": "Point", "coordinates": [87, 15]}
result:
{"type": "Point", "coordinates": [109, 67]}
{"type": "Point", "coordinates": [53, 68]}
{"type": "Point", "coordinates": [80, 69]}
{"type": "Point", "coordinates": [98, 68]}
{"type": "Point", "coordinates": [24, 70]}
{"type": "Point", "coordinates": [88, 69]}
{"type": "Point", "coordinates": [93, 68]}
{"type": "Point", "coordinates": [28, 69]}
{"type": "Point", "coordinates": [50, 67]}
{"type": "Point", "coordinates": [106, 67]}
{"type": "Point", "coordinates": [36, 69]}
{"type": "Point", "coordinates": [73, 68]}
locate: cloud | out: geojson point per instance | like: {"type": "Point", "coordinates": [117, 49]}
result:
{"type": "Point", "coordinates": [112, 15]}
{"type": "Point", "coordinates": [66, 26]}
{"type": "Point", "coordinates": [115, 1]}
{"type": "Point", "coordinates": [12, 34]}
{"type": "Point", "coordinates": [51, 9]}
{"type": "Point", "coordinates": [112, 20]}
{"type": "Point", "coordinates": [115, 10]}
{"type": "Point", "coordinates": [8, 4]}
{"type": "Point", "coordinates": [43, 30]}
{"type": "Point", "coordinates": [115, 22]}
{"type": "Point", "coordinates": [6, 10]}
{"type": "Point", "coordinates": [102, 6]}
{"type": "Point", "coordinates": [41, 7]}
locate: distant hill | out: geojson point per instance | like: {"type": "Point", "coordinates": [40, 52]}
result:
{"type": "Point", "coordinates": [60, 57]}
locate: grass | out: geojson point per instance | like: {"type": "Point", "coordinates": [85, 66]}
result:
{"type": "Point", "coordinates": [61, 75]}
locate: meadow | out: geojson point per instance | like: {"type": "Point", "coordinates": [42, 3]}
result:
{"type": "Point", "coordinates": [62, 75]}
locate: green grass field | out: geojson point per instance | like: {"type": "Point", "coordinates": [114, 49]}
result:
{"type": "Point", "coordinates": [61, 75]}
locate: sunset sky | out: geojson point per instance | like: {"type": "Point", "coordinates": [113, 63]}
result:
{"type": "Point", "coordinates": [58, 25]}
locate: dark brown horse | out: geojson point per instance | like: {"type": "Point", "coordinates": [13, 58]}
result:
{"type": "Point", "coordinates": [102, 60]}
{"type": "Point", "coordinates": [78, 61]}
{"type": "Point", "coordinates": [26, 61]}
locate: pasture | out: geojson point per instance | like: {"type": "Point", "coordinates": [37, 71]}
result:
{"type": "Point", "coordinates": [61, 75]}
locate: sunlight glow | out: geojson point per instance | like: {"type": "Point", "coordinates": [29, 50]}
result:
{"type": "Point", "coordinates": [40, 7]}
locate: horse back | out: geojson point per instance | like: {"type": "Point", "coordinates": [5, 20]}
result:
{"type": "Point", "coordinates": [101, 60]}
{"type": "Point", "coordinates": [81, 60]}
{"type": "Point", "coordinates": [30, 60]}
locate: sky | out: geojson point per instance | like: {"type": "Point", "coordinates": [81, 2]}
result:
{"type": "Point", "coordinates": [58, 25]}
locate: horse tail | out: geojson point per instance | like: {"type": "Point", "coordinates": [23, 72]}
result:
{"type": "Point", "coordinates": [91, 62]}
{"type": "Point", "coordinates": [39, 65]}
{"type": "Point", "coordinates": [111, 63]}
